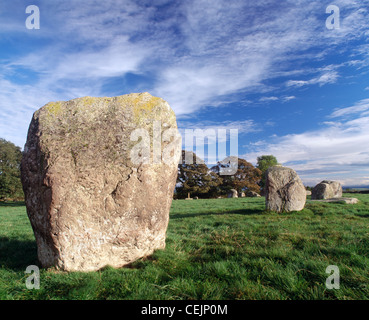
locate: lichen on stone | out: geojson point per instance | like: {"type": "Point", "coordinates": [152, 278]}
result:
{"type": "Point", "coordinates": [54, 108]}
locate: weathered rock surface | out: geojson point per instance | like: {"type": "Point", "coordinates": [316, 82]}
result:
{"type": "Point", "coordinates": [90, 202]}
{"type": "Point", "coordinates": [233, 193]}
{"type": "Point", "coordinates": [326, 190]}
{"type": "Point", "coordinates": [284, 191]}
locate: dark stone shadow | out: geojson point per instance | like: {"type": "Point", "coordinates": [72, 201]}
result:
{"type": "Point", "coordinates": [17, 255]}
{"type": "Point", "coordinates": [12, 204]}
{"type": "Point", "coordinates": [244, 212]}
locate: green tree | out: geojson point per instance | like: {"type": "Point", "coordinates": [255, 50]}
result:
{"type": "Point", "coordinates": [10, 158]}
{"type": "Point", "coordinates": [195, 178]}
{"type": "Point", "coordinates": [246, 177]}
{"type": "Point", "coordinates": [263, 164]}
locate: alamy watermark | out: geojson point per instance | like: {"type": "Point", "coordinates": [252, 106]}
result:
{"type": "Point", "coordinates": [165, 146]}
{"type": "Point", "coordinates": [33, 281]}
{"type": "Point", "coordinates": [333, 21]}
{"type": "Point", "coordinates": [333, 281]}
{"type": "Point", "coordinates": [33, 20]}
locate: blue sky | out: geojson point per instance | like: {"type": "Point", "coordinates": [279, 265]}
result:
{"type": "Point", "coordinates": [271, 69]}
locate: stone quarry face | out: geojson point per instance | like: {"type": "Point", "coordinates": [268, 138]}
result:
{"type": "Point", "coordinates": [284, 191]}
{"type": "Point", "coordinates": [326, 190]}
{"type": "Point", "coordinates": [96, 191]}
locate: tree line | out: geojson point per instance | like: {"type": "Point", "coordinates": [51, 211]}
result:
{"type": "Point", "coordinates": [10, 182]}
{"type": "Point", "coordinates": [198, 180]}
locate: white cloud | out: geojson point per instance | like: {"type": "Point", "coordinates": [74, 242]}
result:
{"type": "Point", "coordinates": [359, 107]}
{"type": "Point", "coordinates": [339, 148]}
{"type": "Point", "coordinates": [323, 79]}
{"type": "Point", "coordinates": [273, 98]}
{"type": "Point", "coordinates": [195, 54]}
{"type": "Point", "coordinates": [268, 99]}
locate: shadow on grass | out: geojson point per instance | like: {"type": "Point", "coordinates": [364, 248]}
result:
{"type": "Point", "coordinates": [12, 204]}
{"type": "Point", "coordinates": [17, 254]}
{"type": "Point", "coordinates": [362, 215]}
{"type": "Point", "coordinates": [244, 212]}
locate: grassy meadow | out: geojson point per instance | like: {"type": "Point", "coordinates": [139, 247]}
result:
{"type": "Point", "coordinates": [216, 249]}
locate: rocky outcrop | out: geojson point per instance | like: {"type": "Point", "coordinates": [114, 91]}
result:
{"type": "Point", "coordinates": [284, 191]}
{"type": "Point", "coordinates": [98, 176]}
{"type": "Point", "coordinates": [326, 190]}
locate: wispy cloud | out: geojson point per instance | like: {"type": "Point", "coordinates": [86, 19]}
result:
{"type": "Point", "coordinates": [361, 107]}
{"type": "Point", "coordinates": [340, 147]}
{"type": "Point", "coordinates": [194, 53]}
{"type": "Point", "coordinates": [321, 80]}
{"type": "Point", "coordinates": [273, 98]}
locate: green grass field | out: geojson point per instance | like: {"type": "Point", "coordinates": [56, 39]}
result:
{"type": "Point", "coordinates": [216, 249]}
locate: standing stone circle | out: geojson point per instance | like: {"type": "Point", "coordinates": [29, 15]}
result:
{"type": "Point", "coordinates": [284, 190]}
{"type": "Point", "coordinates": [90, 202]}
{"type": "Point", "coordinates": [326, 190]}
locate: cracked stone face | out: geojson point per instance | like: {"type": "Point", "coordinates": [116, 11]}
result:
{"type": "Point", "coordinates": [90, 204]}
{"type": "Point", "coordinates": [327, 190]}
{"type": "Point", "coordinates": [285, 191]}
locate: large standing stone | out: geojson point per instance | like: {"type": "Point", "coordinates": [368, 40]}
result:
{"type": "Point", "coordinates": [92, 197]}
{"type": "Point", "coordinates": [284, 190]}
{"type": "Point", "coordinates": [326, 190]}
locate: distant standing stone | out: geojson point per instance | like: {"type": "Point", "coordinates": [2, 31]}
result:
{"type": "Point", "coordinates": [233, 193]}
{"type": "Point", "coordinates": [89, 202]}
{"type": "Point", "coordinates": [252, 194]}
{"type": "Point", "coordinates": [326, 190]}
{"type": "Point", "coordinates": [285, 191]}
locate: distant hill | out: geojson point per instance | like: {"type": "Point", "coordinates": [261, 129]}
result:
{"type": "Point", "coordinates": [356, 189]}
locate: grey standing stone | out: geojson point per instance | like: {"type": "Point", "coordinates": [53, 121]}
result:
{"type": "Point", "coordinates": [284, 190]}
{"type": "Point", "coordinates": [89, 202]}
{"type": "Point", "coordinates": [233, 193]}
{"type": "Point", "coordinates": [326, 190]}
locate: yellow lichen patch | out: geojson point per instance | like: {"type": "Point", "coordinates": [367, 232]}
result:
{"type": "Point", "coordinates": [54, 108]}
{"type": "Point", "coordinates": [142, 107]}
{"type": "Point", "coordinates": [87, 101]}
{"type": "Point", "coordinates": [141, 104]}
